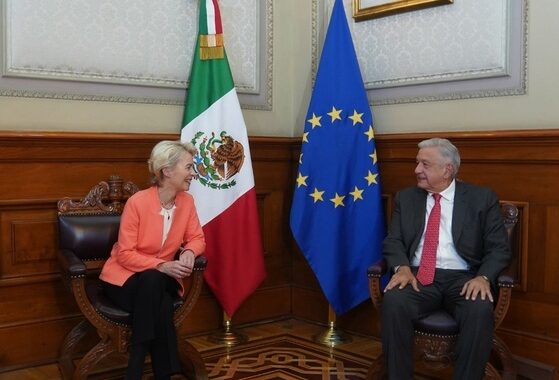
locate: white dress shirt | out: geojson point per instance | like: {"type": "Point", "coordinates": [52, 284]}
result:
{"type": "Point", "coordinates": [447, 257]}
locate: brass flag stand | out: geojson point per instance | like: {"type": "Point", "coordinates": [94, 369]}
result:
{"type": "Point", "coordinates": [332, 337]}
{"type": "Point", "coordinates": [228, 336]}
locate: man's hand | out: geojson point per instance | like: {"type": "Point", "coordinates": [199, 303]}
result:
{"type": "Point", "coordinates": [402, 278]}
{"type": "Point", "coordinates": [477, 285]}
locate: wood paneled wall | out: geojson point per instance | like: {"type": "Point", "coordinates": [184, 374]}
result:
{"type": "Point", "coordinates": [522, 167]}
{"type": "Point", "coordinates": [39, 168]}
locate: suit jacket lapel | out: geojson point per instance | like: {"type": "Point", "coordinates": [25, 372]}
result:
{"type": "Point", "coordinates": [458, 212]}
{"type": "Point", "coordinates": [420, 203]}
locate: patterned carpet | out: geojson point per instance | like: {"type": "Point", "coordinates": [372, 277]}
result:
{"type": "Point", "coordinates": [284, 357]}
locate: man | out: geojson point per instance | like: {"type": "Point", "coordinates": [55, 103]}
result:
{"type": "Point", "coordinates": [459, 228]}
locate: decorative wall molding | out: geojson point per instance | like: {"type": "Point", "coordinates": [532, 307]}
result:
{"type": "Point", "coordinates": [317, 27]}
{"type": "Point", "coordinates": [467, 49]}
{"type": "Point", "coordinates": [128, 51]}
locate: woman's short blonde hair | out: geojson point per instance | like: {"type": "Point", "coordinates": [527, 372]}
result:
{"type": "Point", "coordinates": [166, 154]}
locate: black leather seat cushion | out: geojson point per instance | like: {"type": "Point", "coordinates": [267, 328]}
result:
{"type": "Point", "coordinates": [105, 306]}
{"type": "Point", "coordinates": [437, 323]}
{"type": "Point", "coordinates": [108, 309]}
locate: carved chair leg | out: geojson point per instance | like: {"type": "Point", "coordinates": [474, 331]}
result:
{"type": "Point", "coordinates": [191, 361]}
{"type": "Point", "coordinates": [100, 351]}
{"type": "Point", "coordinates": [377, 370]}
{"type": "Point", "coordinates": [507, 361]}
{"type": "Point", "coordinates": [65, 360]}
{"type": "Point", "coordinates": [491, 373]}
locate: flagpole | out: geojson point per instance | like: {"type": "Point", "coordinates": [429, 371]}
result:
{"type": "Point", "coordinates": [332, 336]}
{"type": "Point", "coordinates": [228, 335]}
{"type": "Point", "coordinates": [224, 192]}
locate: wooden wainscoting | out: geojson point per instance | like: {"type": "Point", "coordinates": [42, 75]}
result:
{"type": "Point", "coordinates": [40, 168]}
{"type": "Point", "coordinates": [523, 168]}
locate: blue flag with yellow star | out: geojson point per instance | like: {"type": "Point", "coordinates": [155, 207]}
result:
{"type": "Point", "coordinates": [337, 217]}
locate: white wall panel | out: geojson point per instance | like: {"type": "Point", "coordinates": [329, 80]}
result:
{"type": "Point", "coordinates": [145, 45]}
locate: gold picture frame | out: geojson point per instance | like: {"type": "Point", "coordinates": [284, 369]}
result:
{"type": "Point", "coordinates": [368, 9]}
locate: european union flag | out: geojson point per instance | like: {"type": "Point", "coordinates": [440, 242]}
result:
{"type": "Point", "coordinates": [336, 216]}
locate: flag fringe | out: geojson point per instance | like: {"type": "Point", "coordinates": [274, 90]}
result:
{"type": "Point", "coordinates": [215, 52]}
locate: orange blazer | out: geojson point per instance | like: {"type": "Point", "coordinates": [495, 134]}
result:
{"type": "Point", "coordinates": [141, 231]}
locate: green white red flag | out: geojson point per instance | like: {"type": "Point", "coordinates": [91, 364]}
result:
{"type": "Point", "coordinates": [224, 190]}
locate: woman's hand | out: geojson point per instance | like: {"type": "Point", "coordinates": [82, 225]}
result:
{"type": "Point", "coordinates": [187, 258]}
{"type": "Point", "coordinates": [176, 269]}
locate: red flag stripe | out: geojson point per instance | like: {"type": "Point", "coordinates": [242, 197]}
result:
{"type": "Point", "coordinates": [233, 276]}
{"type": "Point", "coordinates": [218, 27]}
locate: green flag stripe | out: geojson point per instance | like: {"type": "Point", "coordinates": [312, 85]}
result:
{"type": "Point", "coordinates": [209, 80]}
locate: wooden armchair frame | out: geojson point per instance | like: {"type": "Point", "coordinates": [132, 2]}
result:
{"type": "Point", "coordinates": [436, 348]}
{"type": "Point", "coordinates": [100, 210]}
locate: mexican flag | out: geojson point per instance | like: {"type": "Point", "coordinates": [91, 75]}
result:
{"type": "Point", "coordinates": [224, 191]}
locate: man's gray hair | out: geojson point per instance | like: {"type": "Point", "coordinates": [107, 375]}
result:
{"type": "Point", "coordinates": [447, 150]}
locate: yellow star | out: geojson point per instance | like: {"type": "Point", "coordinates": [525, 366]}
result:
{"type": "Point", "coordinates": [315, 121]}
{"type": "Point", "coordinates": [357, 194]}
{"type": "Point", "coordinates": [317, 195]}
{"type": "Point", "coordinates": [335, 114]}
{"type": "Point", "coordinates": [305, 137]}
{"type": "Point", "coordinates": [301, 158]}
{"type": "Point", "coordinates": [356, 117]}
{"type": "Point", "coordinates": [373, 156]}
{"type": "Point", "coordinates": [302, 180]}
{"type": "Point", "coordinates": [371, 178]}
{"type": "Point", "coordinates": [338, 200]}
{"type": "Point", "coordinates": [370, 133]}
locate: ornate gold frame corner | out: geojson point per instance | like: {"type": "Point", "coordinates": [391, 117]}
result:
{"type": "Point", "coordinates": [362, 12]}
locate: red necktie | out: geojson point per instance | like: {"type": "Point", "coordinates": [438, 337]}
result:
{"type": "Point", "coordinates": [426, 271]}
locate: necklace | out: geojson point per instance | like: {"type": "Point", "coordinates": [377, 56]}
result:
{"type": "Point", "coordinates": [168, 205]}
{"type": "Point", "coordinates": [166, 212]}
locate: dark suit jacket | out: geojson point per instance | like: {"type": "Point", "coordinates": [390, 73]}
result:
{"type": "Point", "coordinates": [478, 230]}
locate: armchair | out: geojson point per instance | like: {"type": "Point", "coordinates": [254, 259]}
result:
{"type": "Point", "coordinates": [87, 231]}
{"type": "Point", "coordinates": [436, 333]}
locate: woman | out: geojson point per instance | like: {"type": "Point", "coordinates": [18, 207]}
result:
{"type": "Point", "coordinates": [143, 275]}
